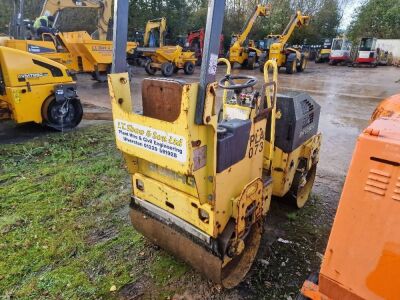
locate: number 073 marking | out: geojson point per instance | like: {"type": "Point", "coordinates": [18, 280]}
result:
{"type": "Point", "coordinates": [256, 142]}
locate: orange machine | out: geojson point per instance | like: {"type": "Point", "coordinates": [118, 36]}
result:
{"type": "Point", "coordinates": [362, 258]}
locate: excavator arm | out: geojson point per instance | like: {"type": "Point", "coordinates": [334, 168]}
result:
{"type": "Point", "coordinates": [261, 10]}
{"type": "Point", "coordinates": [161, 25]}
{"type": "Point", "coordinates": [297, 21]}
{"type": "Point", "coordinates": [54, 7]}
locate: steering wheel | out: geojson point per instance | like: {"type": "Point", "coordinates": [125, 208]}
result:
{"type": "Point", "coordinates": [251, 81]}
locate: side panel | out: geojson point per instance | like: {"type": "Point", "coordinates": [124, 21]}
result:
{"type": "Point", "coordinates": [20, 68]}
{"type": "Point", "coordinates": [34, 47]}
{"type": "Point", "coordinates": [91, 52]}
{"type": "Point", "coordinates": [363, 252]}
{"type": "Point", "coordinates": [26, 106]}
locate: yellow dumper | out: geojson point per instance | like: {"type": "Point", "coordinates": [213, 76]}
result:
{"type": "Point", "coordinates": [157, 56]}
{"type": "Point", "coordinates": [76, 50]}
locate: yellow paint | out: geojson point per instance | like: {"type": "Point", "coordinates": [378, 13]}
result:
{"type": "Point", "coordinates": [25, 97]}
{"type": "Point", "coordinates": [177, 182]}
{"type": "Point", "coordinates": [174, 54]}
{"type": "Point", "coordinates": [173, 183]}
{"type": "Point", "coordinates": [174, 201]}
{"type": "Point", "coordinates": [76, 50]}
{"type": "Point", "coordinates": [277, 51]}
{"type": "Point", "coordinates": [238, 53]}
{"type": "Point", "coordinates": [284, 165]}
{"type": "Point", "coordinates": [158, 24]}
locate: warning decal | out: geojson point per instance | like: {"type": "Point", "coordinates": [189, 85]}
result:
{"type": "Point", "coordinates": [157, 141]}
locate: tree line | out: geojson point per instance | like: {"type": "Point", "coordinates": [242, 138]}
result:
{"type": "Point", "coordinates": [378, 18]}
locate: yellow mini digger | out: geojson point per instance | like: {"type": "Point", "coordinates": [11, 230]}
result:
{"type": "Point", "coordinates": [36, 89]}
{"type": "Point", "coordinates": [202, 181]}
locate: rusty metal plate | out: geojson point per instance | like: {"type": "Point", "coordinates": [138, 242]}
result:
{"type": "Point", "coordinates": [199, 157]}
{"type": "Point", "coordinates": [162, 99]}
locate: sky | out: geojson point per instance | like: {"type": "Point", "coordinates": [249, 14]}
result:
{"type": "Point", "coordinates": [348, 12]}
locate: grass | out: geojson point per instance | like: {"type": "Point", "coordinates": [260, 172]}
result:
{"type": "Point", "coordinates": [64, 228]}
{"type": "Point", "coordinates": [65, 231]}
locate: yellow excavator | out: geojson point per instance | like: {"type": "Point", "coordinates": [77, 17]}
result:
{"type": "Point", "coordinates": [103, 7]}
{"type": "Point", "coordinates": [155, 33]}
{"type": "Point", "coordinates": [76, 50]}
{"type": "Point", "coordinates": [240, 53]}
{"type": "Point", "coordinates": [201, 181]}
{"type": "Point", "coordinates": [156, 55]}
{"type": "Point", "coordinates": [275, 47]}
{"type": "Point", "coordinates": [36, 89]}
{"type": "Point", "coordinates": [55, 8]}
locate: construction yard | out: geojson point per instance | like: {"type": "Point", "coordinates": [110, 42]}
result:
{"type": "Point", "coordinates": [64, 224]}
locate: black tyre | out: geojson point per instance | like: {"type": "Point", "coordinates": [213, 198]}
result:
{"type": "Point", "coordinates": [188, 68]}
{"type": "Point", "coordinates": [303, 63]}
{"type": "Point", "coordinates": [302, 185]}
{"type": "Point", "coordinates": [62, 115]}
{"type": "Point", "coordinates": [149, 69]}
{"type": "Point", "coordinates": [167, 69]}
{"type": "Point", "coordinates": [290, 67]}
{"type": "Point", "coordinates": [251, 62]}
{"type": "Point", "coordinates": [102, 76]}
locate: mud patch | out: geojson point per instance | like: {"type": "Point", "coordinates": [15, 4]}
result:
{"type": "Point", "coordinates": [101, 235]}
{"type": "Point", "coordinates": [135, 290]}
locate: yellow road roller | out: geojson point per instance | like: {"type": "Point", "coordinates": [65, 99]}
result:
{"type": "Point", "coordinates": [36, 89]}
{"type": "Point", "coordinates": [202, 181]}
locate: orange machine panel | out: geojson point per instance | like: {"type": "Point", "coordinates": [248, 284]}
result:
{"type": "Point", "coordinates": [362, 259]}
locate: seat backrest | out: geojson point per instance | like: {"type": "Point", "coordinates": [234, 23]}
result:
{"type": "Point", "coordinates": [162, 99]}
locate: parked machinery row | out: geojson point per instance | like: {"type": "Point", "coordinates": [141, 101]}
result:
{"type": "Point", "coordinates": [155, 55]}
{"type": "Point", "coordinates": [78, 51]}
{"type": "Point", "coordinates": [81, 53]}
{"type": "Point", "coordinates": [342, 51]}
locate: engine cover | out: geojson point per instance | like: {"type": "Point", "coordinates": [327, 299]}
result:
{"type": "Point", "coordinates": [298, 121]}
